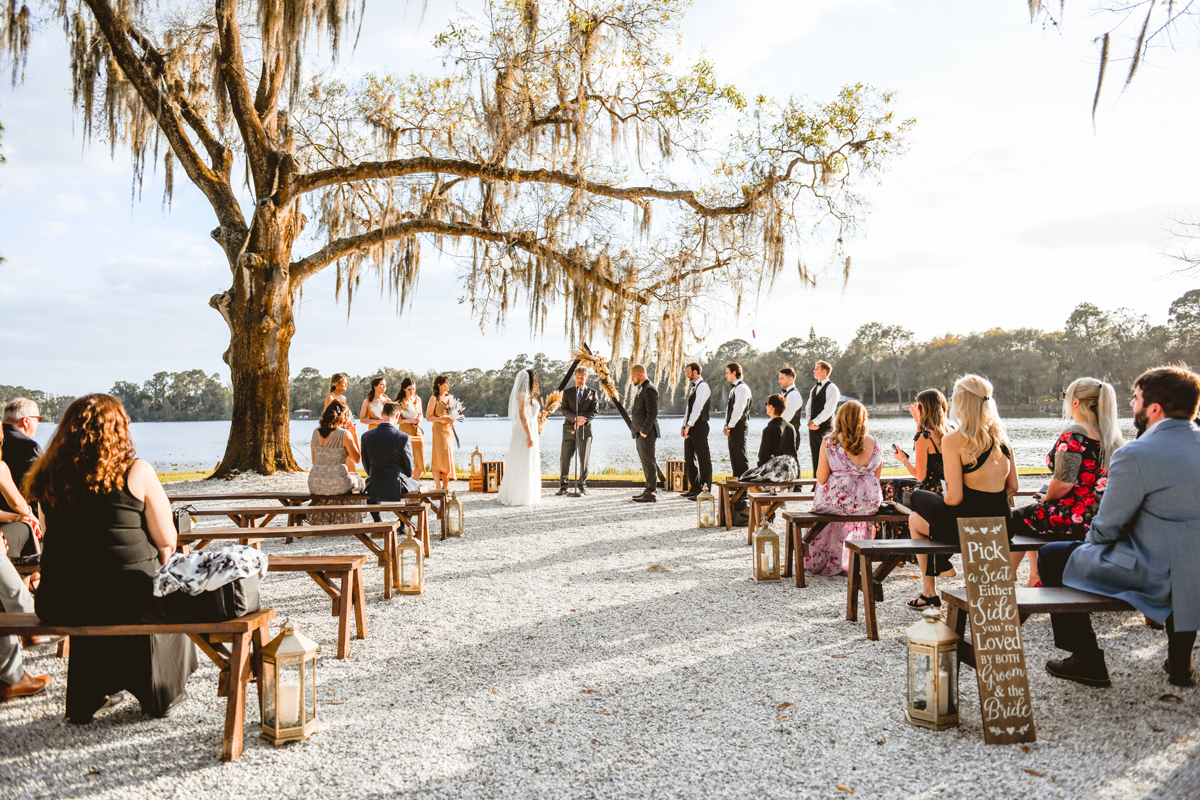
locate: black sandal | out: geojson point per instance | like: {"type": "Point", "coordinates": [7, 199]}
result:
{"type": "Point", "coordinates": [922, 602]}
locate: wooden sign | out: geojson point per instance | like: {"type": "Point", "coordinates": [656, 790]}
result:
{"type": "Point", "coordinates": [1004, 700]}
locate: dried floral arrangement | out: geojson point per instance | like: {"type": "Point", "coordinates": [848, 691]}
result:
{"type": "Point", "coordinates": [599, 365]}
{"type": "Point", "coordinates": [550, 404]}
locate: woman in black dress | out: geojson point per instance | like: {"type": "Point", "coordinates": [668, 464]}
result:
{"type": "Point", "coordinates": [981, 474]}
{"type": "Point", "coordinates": [108, 528]}
{"type": "Point", "coordinates": [1079, 459]}
{"type": "Point", "coordinates": [931, 413]}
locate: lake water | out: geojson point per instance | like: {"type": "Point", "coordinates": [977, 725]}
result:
{"type": "Point", "coordinates": [187, 446]}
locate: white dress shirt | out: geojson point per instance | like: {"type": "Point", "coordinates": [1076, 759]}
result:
{"type": "Point", "coordinates": [741, 399]}
{"type": "Point", "coordinates": [832, 398]}
{"type": "Point", "coordinates": [703, 393]}
{"type": "Point", "coordinates": [792, 400]}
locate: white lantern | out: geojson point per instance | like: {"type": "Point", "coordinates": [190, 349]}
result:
{"type": "Point", "coordinates": [454, 520]}
{"type": "Point", "coordinates": [932, 672]}
{"type": "Point", "coordinates": [289, 696]}
{"type": "Point", "coordinates": [766, 553]}
{"type": "Point", "coordinates": [706, 506]}
{"type": "Point", "coordinates": [412, 566]}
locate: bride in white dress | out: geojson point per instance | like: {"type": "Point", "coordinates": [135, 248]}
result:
{"type": "Point", "coordinates": [522, 483]}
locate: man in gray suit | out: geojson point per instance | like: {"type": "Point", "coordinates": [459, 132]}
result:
{"type": "Point", "coordinates": [644, 415]}
{"type": "Point", "coordinates": [1144, 544]}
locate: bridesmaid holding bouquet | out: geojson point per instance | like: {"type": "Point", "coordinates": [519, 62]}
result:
{"type": "Point", "coordinates": [442, 457]}
{"type": "Point", "coordinates": [338, 385]}
{"type": "Point", "coordinates": [410, 423]}
{"type": "Point", "coordinates": [372, 405]}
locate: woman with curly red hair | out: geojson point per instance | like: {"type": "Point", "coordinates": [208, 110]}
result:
{"type": "Point", "coordinates": [108, 528]}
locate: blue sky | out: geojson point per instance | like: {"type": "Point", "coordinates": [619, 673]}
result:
{"type": "Point", "coordinates": [1009, 209]}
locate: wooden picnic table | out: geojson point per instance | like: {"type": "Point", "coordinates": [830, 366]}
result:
{"type": "Point", "coordinates": [803, 528]}
{"type": "Point", "coordinates": [258, 518]}
{"type": "Point", "coordinates": [436, 498]}
{"type": "Point", "coordinates": [365, 532]}
{"type": "Point", "coordinates": [730, 492]}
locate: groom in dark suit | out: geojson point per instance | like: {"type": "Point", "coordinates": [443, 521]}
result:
{"type": "Point", "coordinates": [644, 415]}
{"type": "Point", "coordinates": [578, 409]}
{"type": "Point", "coordinates": [388, 458]}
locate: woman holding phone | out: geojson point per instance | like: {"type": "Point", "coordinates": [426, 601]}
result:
{"type": "Point", "coordinates": [931, 413]}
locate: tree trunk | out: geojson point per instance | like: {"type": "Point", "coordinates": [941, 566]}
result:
{"type": "Point", "coordinates": [258, 310]}
{"type": "Point", "coordinates": [872, 382]}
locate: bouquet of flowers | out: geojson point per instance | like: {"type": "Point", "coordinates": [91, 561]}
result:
{"type": "Point", "coordinates": [549, 406]}
{"type": "Point", "coordinates": [455, 412]}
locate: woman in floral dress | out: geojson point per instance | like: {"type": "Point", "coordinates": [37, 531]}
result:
{"type": "Point", "coordinates": [848, 474]}
{"type": "Point", "coordinates": [1079, 459]}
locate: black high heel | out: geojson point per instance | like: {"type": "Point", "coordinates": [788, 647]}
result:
{"type": "Point", "coordinates": [922, 602]}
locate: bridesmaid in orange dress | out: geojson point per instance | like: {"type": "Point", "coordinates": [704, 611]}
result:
{"type": "Point", "coordinates": [442, 456]}
{"type": "Point", "coordinates": [410, 423]}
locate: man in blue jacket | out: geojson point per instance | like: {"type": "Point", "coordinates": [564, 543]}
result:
{"type": "Point", "coordinates": [388, 458]}
{"type": "Point", "coordinates": [1144, 544]}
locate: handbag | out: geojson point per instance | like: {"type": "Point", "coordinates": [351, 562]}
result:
{"type": "Point", "coordinates": [235, 599]}
{"type": "Point", "coordinates": [183, 519]}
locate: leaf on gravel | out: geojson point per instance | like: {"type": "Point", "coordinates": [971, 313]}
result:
{"type": "Point", "coordinates": [1182, 741]}
{"type": "Point", "coordinates": [1025, 748]}
{"type": "Point", "coordinates": [335, 702]}
{"type": "Point", "coordinates": [1035, 773]}
{"type": "Point", "coordinates": [527, 730]}
{"type": "Point", "coordinates": [605, 713]}
{"type": "Point", "coordinates": [782, 716]}
{"type": "Point", "coordinates": [706, 680]}
{"type": "Point", "coordinates": [658, 568]}
{"type": "Point", "coordinates": [845, 789]}
{"type": "Point", "coordinates": [93, 771]}
{"type": "Point", "coordinates": [838, 655]}
{"type": "Point", "coordinates": [495, 691]}
{"type": "Point", "coordinates": [1174, 697]}
{"type": "Point", "coordinates": [793, 638]}
{"type": "Point", "coordinates": [590, 691]}
{"type": "Point", "coordinates": [595, 741]}
{"type": "Point", "coordinates": [881, 741]}
{"type": "Point", "coordinates": [782, 706]}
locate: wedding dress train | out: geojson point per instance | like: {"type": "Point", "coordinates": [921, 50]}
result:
{"type": "Point", "coordinates": [522, 482]}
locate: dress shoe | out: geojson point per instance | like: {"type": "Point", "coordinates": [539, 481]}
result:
{"type": "Point", "coordinates": [174, 706]}
{"type": "Point", "coordinates": [561, 492]}
{"type": "Point", "coordinates": [583, 490]}
{"type": "Point", "coordinates": [645, 498]}
{"type": "Point", "coordinates": [1177, 677]}
{"type": "Point", "coordinates": [688, 496]}
{"type": "Point", "coordinates": [1090, 670]}
{"type": "Point", "coordinates": [111, 702]}
{"type": "Point", "coordinates": [27, 686]}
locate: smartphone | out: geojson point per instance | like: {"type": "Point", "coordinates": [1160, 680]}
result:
{"type": "Point", "coordinates": [897, 449]}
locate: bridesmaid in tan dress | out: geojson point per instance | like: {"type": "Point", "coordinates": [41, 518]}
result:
{"type": "Point", "coordinates": [410, 423]}
{"type": "Point", "coordinates": [442, 456]}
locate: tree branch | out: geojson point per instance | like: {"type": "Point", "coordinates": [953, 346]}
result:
{"type": "Point", "coordinates": [378, 170]}
{"type": "Point", "coordinates": [233, 72]}
{"type": "Point", "coordinates": [528, 241]}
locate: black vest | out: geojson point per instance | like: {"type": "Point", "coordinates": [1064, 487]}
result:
{"type": "Point", "coordinates": [729, 410]}
{"type": "Point", "coordinates": [692, 401]}
{"type": "Point", "coordinates": [818, 401]}
{"type": "Point", "coordinates": [797, 419]}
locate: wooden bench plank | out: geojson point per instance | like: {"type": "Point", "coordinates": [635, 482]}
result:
{"type": "Point", "coordinates": [324, 570]}
{"type": "Point", "coordinates": [240, 664]}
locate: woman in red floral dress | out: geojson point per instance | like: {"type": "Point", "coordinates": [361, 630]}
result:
{"type": "Point", "coordinates": [1079, 459]}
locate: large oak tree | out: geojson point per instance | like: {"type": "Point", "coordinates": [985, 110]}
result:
{"type": "Point", "coordinates": [563, 151]}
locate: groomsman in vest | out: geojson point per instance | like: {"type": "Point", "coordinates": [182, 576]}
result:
{"type": "Point", "coordinates": [578, 410]}
{"type": "Point", "coordinates": [822, 404]}
{"type": "Point", "coordinates": [644, 415]}
{"type": "Point", "coordinates": [793, 409]}
{"type": "Point", "coordinates": [737, 419]}
{"type": "Point", "coordinates": [695, 435]}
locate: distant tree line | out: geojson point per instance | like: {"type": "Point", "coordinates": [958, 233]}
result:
{"type": "Point", "coordinates": [882, 365]}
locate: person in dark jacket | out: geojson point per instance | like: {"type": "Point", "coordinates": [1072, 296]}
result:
{"type": "Point", "coordinates": [644, 415]}
{"type": "Point", "coordinates": [388, 458]}
{"type": "Point", "coordinates": [21, 418]}
{"type": "Point", "coordinates": [779, 437]}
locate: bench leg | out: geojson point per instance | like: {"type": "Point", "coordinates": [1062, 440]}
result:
{"type": "Point", "coordinates": [424, 523]}
{"type": "Point", "coordinates": [389, 555]}
{"type": "Point", "coordinates": [346, 600]}
{"type": "Point", "coordinates": [789, 548]}
{"type": "Point", "coordinates": [360, 604]}
{"type": "Point", "coordinates": [64, 647]}
{"type": "Point", "coordinates": [235, 705]}
{"type": "Point", "coordinates": [259, 638]}
{"type": "Point", "coordinates": [868, 589]}
{"type": "Point", "coordinates": [752, 524]}
{"type": "Point", "coordinates": [852, 589]}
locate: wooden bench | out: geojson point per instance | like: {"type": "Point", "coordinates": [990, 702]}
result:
{"type": "Point", "coordinates": [730, 491]}
{"type": "Point", "coordinates": [890, 553]}
{"type": "Point", "coordinates": [257, 518]}
{"type": "Point", "coordinates": [234, 646]}
{"type": "Point", "coordinates": [803, 528]}
{"type": "Point", "coordinates": [324, 570]}
{"type": "Point", "coordinates": [365, 532]}
{"type": "Point", "coordinates": [434, 498]}
{"type": "Point", "coordinates": [1038, 600]}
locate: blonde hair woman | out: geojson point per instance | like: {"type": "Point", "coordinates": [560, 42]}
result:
{"type": "Point", "coordinates": [981, 474]}
{"type": "Point", "coordinates": [1079, 459]}
{"type": "Point", "coordinates": [848, 477]}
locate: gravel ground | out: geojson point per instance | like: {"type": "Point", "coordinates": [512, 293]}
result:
{"type": "Point", "coordinates": [594, 647]}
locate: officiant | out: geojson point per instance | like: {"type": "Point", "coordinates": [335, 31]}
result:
{"type": "Point", "coordinates": [578, 409]}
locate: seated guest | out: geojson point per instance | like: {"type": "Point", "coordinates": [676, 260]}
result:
{"type": "Point", "coordinates": [1143, 545]}
{"type": "Point", "coordinates": [21, 420]}
{"type": "Point", "coordinates": [388, 457]}
{"type": "Point", "coordinates": [18, 524]}
{"type": "Point", "coordinates": [931, 413]}
{"type": "Point", "coordinates": [777, 449]}
{"type": "Point", "coordinates": [15, 599]}
{"type": "Point", "coordinates": [981, 474]}
{"type": "Point", "coordinates": [335, 460]}
{"type": "Point", "coordinates": [108, 528]}
{"type": "Point", "coordinates": [1079, 459]}
{"type": "Point", "coordinates": [848, 469]}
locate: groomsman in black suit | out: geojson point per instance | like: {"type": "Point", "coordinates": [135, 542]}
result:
{"type": "Point", "coordinates": [644, 415]}
{"type": "Point", "coordinates": [737, 419]}
{"type": "Point", "coordinates": [695, 435]}
{"type": "Point", "coordinates": [578, 410]}
{"type": "Point", "coordinates": [793, 411]}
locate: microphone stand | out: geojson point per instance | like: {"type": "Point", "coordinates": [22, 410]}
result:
{"type": "Point", "coordinates": [578, 464]}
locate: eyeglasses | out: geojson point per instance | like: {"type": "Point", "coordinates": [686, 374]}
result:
{"type": "Point", "coordinates": [36, 419]}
